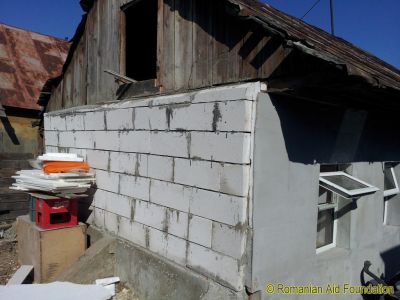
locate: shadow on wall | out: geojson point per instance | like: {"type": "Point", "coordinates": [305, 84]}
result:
{"type": "Point", "coordinates": [391, 259]}
{"type": "Point", "coordinates": [85, 204]}
{"type": "Point", "coordinates": [316, 133]}
{"type": "Point", "coordinates": [10, 130]}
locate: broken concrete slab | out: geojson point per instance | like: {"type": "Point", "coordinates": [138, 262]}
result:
{"type": "Point", "coordinates": [97, 262]}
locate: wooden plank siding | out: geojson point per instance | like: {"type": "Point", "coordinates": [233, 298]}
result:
{"type": "Point", "coordinates": [199, 44]}
{"type": "Point", "coordinates": [202, 35]}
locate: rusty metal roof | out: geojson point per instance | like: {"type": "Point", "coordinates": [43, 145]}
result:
{"type": "Point", "coordinates": [319, 43]}
{"type": "Point", "coordinates": [27, 60]}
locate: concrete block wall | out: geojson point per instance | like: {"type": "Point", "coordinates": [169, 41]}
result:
{"type": "Point", "coordinates": [173, 173]}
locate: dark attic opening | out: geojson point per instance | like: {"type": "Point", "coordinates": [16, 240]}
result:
{"type": "Point", "coordinates": [141, 39]}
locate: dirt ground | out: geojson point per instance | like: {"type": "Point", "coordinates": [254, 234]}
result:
{"type": "Point", "coordinates": [8, 260]}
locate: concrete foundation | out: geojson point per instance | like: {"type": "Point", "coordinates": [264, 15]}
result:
{"type": "Point", "coordinates": [152, 277]}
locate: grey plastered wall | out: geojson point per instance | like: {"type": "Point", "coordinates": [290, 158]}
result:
{"type": "Point", "coordinates": [291, 141]}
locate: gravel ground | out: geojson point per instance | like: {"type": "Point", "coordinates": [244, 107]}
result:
{"type": "Point", "coordinates": [124, 293]}
{"type": "Point", "coordinates": [8, 260]}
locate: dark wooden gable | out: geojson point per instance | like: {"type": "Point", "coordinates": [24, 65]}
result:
{"type": "Point", "coordinates": [200, 43]}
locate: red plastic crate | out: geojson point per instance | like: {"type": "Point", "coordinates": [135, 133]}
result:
{"type": "Point", "coordinates": [56, 213]}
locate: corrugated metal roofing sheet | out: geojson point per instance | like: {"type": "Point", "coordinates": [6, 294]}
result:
{"type": "Point", "coordinates": [319, 43]}
{"type": "Point", "coordinates": [27, 60]}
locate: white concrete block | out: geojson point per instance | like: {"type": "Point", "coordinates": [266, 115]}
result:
{"type": "Point", "coordinates": [95, 120]}
{"type": "Point", "coordinates": [47, 122]}
{"type": "Point", "coordinates": [226, 178]}
{"type": "Point", "coordinates": [75, 122]}
{"type": "Point", "coordinates": [192, 117]}
{"type": "Point", "coordinates": [150, 214]}
{"type": "Point", "coordinates": [132, 231]}
{"type": "Point", "coordinates": [134, 141]}
{"type": "Point", "coordinates": [177, 223]}
{"type": "Point", "coordinates": [129, 163]}
{"type": "Point", "coordinates": [222, 268]}
{"type": "Point", "coordinates": [234, 179]}
{"type": "Point", "coordinates": [172, 99]}
{"type": "Point", "coordinates": [203, 174]}
{"type": "Point", "coordinates": [169, 246]}
{"type": "Point", "coordinates": [66, 139]}
{"type": "Point", "coordinates": [161, 167]}
{"type": "Point", "coordinates": [235, 115]}
{"type": "Point", "coordinates": [84, 139]}
{"type": "Point", "coordinates": [106, 140]}
{"type": "Point", "coordinates": [98, 219]}
{"type": "Point", "coordinates": [51, 138]}
{"type": "Point", "coordinates": [107, 181]}
{"type": "Point", "coordinates": [58, 123]}
{"type": "Point", "coordinates": [200, 231]}
{"type": "Point", "coordinates": [142, 165]}
{"type": "Point", "coordinates": [237, 92]}
{"type": "Point", "coordinates": [125, 228]}
{"type": "Point", "coordinates": [169, 143]}
{"type": "Point", "coordinates": [229, 240]}
{"type": "Point", "coordinates": [139, 234]}
{"type": "Point", "coordinates": [100, 198]}
{"type": "Point", "coordinates": [98, 159]}
{"type": "Point", "coordinates": [63, 149]}
{"type": "Point", "coordinates": [220, 116]}
{"type": "Point", "coordinates": [119, 205]}
{"type": "Point", "coordinates": [80, 152]}
{"type": "Point", "coordinates": [118, 119]}
{"type": "Point", "coordinates": [170, 195]}
{"type": "Point", "coordinates": [222, 208]}
{"type": "Point", "coordinates": [51, 149]}
{"type": "Point", "coordinates": [111, 222]}
{"type": "Point", "coordinates": [123, 162]}
{"type": "Point", "coordinates": [151, 118]}
{"type": "Point", "coordinates": [224, 147]}
{"type": "Point", "coordinates": [135, 187]}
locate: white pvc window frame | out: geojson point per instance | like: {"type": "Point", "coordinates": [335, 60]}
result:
{"type": "Point", "coordinates": [395, 190]}
{"type": "Point", "coordinates": [326, 206]}
{"type": "Point", "coordinates": [337, 189]}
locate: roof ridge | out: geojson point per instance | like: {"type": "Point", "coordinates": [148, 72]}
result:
{"type": "Point", "coordinates": [35, 32]}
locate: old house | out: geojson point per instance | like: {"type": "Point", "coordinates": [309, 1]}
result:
{"type": "Point", "coordinates": [27, 60]}
{"type": "Point", "coordinates": [234, 146]}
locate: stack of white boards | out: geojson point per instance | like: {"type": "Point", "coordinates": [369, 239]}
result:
{"type": "Point", "coordinates": [60, 157]}
{"type": "Point", "coordinates": [59, 184]}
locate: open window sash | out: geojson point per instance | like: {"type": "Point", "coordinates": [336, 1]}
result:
{"type": "Point", "coordinates": [394, 189]}
{"type": "Point", "coordinates": [345, 185]}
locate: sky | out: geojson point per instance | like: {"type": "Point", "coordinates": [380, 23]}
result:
{"type": "Point", "coordinates": [370, 24]}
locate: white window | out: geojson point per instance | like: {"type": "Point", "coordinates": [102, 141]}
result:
{"type": "Point", "coordinates": [391, 214]}
{"type": "Point", "coordinates": [327, 222]}
{"type": "Point", "coordinates": [390, 183]}
{"type": "Point", "coordinates": [345, 185]}
{"type": "Point", "coordinates": [336, 187]}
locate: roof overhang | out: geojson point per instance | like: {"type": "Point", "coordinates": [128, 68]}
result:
{"type": "Point", "coordinates": [318, 43]}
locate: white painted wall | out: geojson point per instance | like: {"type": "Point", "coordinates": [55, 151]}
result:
{"type": "Point", "coordinates": [173, 173]}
